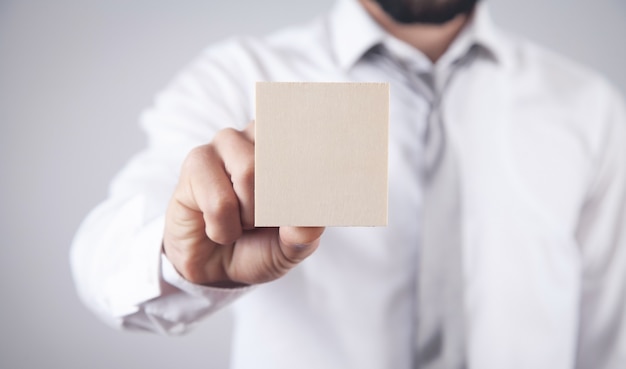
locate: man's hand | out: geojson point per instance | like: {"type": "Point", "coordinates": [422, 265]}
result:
{"type": "Point", "coordinates": [209, 228]}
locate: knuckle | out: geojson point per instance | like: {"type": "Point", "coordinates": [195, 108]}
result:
{"type": "Point", "coordinates": [197, 154]}
{"type": "Point", "coordinates": [226, 136]}
{"type": "Point", "coordinates": [282, 263]}
{"type": "Point", "coordinates": [281, 267]}
{"type": "Point", "coordinates": [196, 157]}
{"type": "Point", "coordinates": [222, 208]}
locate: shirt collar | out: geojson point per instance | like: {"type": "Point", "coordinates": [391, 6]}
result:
{"type": "Point", "coordinates": [353, 33]}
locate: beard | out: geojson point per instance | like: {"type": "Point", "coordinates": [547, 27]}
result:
{"type": "Point", "coordinates": [426, 11]}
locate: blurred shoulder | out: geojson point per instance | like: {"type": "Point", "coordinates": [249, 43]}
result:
{"type": "Point", "coordinates": [558, 75]}
{"type": "Point", "coordinates": [261, 57]}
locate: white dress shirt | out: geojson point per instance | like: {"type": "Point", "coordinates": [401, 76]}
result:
{"type": "Point", "coordinates": [543, 161]}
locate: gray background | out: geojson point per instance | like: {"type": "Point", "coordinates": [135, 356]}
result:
{"type": "Point", "coordinates": [75, 74]}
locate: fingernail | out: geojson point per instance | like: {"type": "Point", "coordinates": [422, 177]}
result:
{"type": "Point", "coordinates": [300, 246]}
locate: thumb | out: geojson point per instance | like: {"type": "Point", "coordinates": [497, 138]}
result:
{"type": "Point", "coordinates": [297, 243]}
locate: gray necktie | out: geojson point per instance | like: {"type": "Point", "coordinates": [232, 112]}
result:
{"type": "Point", "coordinates": [440, 340]}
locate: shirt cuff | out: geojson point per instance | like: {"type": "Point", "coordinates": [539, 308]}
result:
{"type": "Point", "coordinates": [137, 278]}
{"type": "Point", "coordinates": [181, 304]}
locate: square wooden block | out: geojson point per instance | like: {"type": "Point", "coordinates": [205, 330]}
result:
{"type": "Point", "coordinates": [321, 154]}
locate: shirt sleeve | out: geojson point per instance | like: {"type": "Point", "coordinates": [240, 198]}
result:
{"type": "Point", "coordinates": [116, 258]}
{"type": "Point", "coordinates": [602, 236]}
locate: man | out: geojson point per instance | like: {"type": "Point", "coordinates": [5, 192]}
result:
{"type": "Point", "coordinates": [540, 149]}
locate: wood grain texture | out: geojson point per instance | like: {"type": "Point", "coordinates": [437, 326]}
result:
{"type": "Point", "coordinates": [321, 154]}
